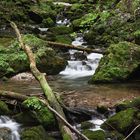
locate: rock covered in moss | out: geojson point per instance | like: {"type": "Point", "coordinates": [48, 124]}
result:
{"type": "Point", "coordinates": [128, 104]}
{"type": "Point", "coordinates": [121, 121]}
{"type": "Point", "coordinates": [87, 125]}
{"type": "Point", "coordinates": [120, 63]}
{"type": "Point", "coordinates": [41, 113]}
{"type": "Point", "coordinates": [4, 110]}
{"type": "Point", "coordinates": [115, 135]}
{"type": "Point", "coordinates": [137, 37]}
{"type": "Point", "coordinates": [94, 135]}
{"type": "Point", "coordinates": [13, 60]}
{"type": "Point", "coordinates": [35, 133]}
{"type": "Point", "coordinates": [61, 30]}
{"type": "Point", "coordinates": [26, 118]}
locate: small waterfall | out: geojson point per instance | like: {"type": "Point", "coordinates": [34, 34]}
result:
{"type": "Point", "coordinates": [7, 123]}
{"type": "Point", "coordinates": [81, 68]}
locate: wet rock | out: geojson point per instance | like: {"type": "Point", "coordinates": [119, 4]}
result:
{"type": "Point", "coordinates": [114, 135]}
{"type": "Point", "coordinates": [65, 39]}
{"type": "Point", "coordinates": [128, 104]}
{"type": "Point", "coordinates": [94, 135]}
{"type": "Point", "coordinates": [87, 125]}
{"type": "Point", "coordinates": [41, 113]}
{"type": "Point", "coordinates": [121, 121]}
{"type": "Point", "coordinates": [5, 134]}
{"type": "Point", "coordinates": [102, 109]}
{"type": "Point", "coordinates": [80, 56]}
{"type": "Point", "coordinates": [26, 118]}
{"type": "Point", "coordinates": [120, 63]}
{"type": "Point", "coordinates": [35, 133]}
{"type": "Point", "coordinates": [61, 30]}
{"type": "Point", "coordinates": [4, 110]}
{"type": "Point", "coordinates": [137, 37]}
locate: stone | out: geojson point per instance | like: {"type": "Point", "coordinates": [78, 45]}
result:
{"type": "Point", "coordinates": [13, 60]}
{"type": "Point", "coordinates": [120, 63]}
{"type": "Point", "coordinates": [121, 121]}
{"type": "Point", "coordinates": [94, 135]}
{"type": "Point", "coordinates": [5, 133]}
{"type": "Point", "coordinates": [4, 110]}
{"type": "Point", "coordinates": [87, 125]}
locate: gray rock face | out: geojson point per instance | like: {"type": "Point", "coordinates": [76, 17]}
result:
{"type": "Point", "coordinates": [5, 134]}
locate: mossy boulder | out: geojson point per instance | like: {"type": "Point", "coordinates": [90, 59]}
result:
{"type": "Point", "coordinates": [121, 121]}
{"type": "Point", "coordinates": [26, 118]}
{"type": "Point", "coordinates": [65, 39]}
{"type": "Point", "coordinates": [120, 63]}
{"type": "Point", "coordinates": [13, 60]}
{"type": "Point", "coordinates": [94, 135]}
{"type": "Point", "coordinates": [4, 110]}
{"type": "Point", "coordinates": [115, 135]}
{"type": "Point", "coordinates": [61, 30]}
{"type": "Point", "coordinates": [137, 37]}
{"type": "Point", "coordinates": [87, 125]}
{"type": "Point", "coordinates": [35, 133]}
{"type": "Point", "coordinates": [42, 113]}
{"type": "Point", "coordinates": [44, 10]}
{"type": "Point", "coordinates": [128, 104]}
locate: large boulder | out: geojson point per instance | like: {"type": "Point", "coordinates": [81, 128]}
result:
{"type": "Point", "coordinates": [41, 113]}
{"type": "Point", "coordinates": [35, 133]}
{"type": "Point", "coordinates": [94, 135]}
{"type": "Point", "coordinates": [120, 63]}
{"type": "Point", "coordinates": [121, 121]}
{"type": "Point", "coordinates": [13, 60]}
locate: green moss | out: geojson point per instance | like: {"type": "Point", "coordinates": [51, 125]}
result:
{"type": "Point", "coordinates": [115, 135]}
{"type": "Point", "coordinates": [43, 115]}
{"type": "Point", "coordinates": [60, 30]}
{"type": "Point", "coordinates": [13, 60]}
{"type": "Point", "coordinates": [87, 125]}
{"type": "Point", "coordinates": [128, 104]}
{"type": "Point", "coordinates": [26, 118]}
{"type": "Point", "coordinates": [94, 135]}
{"type": "Point", "coordinates": [66, 39]}
{"type": "Point", "coordinates": [118, 63]}
{"type": "Point", "coordinates": [4, 110]}
{"type": "Point", "coordinates": [121, 121]}
{"type": "Point", "coordinates": [34, 133]}
{"type": "Point", "coordinates": [137, 37]}
{"type": "Point", "coordinates": [48, 22]}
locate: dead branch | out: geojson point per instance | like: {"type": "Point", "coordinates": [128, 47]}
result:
{"type": "Point", "coordinates": [79, 48]}
{"type": "Point", "coordinates": [132, 132]}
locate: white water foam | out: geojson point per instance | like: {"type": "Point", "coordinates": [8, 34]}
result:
{"type": "Point", "coordinates": [76, 69]}
{"type": "Point", "coordinates": [6, 122]}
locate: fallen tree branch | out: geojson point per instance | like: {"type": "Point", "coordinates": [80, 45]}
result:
{"type": "Point", "coordinates": [20, 97]}
{"type": "Point", "coordinates": [79, 48]}
{"type": "Point", "coordinates": [65, 131]}
{"type": "Point", "coordinates": [132, 132]}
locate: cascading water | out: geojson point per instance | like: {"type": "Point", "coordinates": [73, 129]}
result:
{"type": "Point", "coordinates": [7, 123]}
{"type": "Point", "coordinates": [78, 68]}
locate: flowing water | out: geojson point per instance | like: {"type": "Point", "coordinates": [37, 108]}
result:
{"type": "Point", "coordinates": [7, 123]}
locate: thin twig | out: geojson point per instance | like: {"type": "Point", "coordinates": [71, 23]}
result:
{"type": "Point", "coordinates": [132, 132]}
